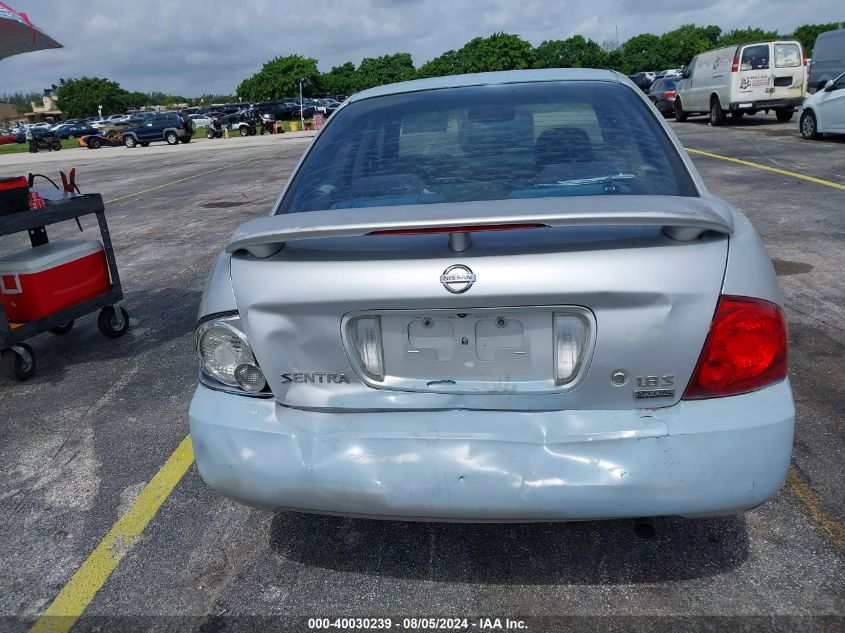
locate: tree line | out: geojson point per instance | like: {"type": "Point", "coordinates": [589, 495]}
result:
{"type": "Point", "coordinates": [82, 97]}
{"type": "Point", "coordinates": [281, 76]}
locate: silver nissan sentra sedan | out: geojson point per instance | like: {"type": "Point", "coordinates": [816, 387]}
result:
{"type": "Point", "coordinates": [495, 297]}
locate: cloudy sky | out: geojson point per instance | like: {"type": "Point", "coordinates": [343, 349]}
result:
{"type": "Point", "coordinates": [192, 47]}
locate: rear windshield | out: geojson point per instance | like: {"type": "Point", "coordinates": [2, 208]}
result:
{"type": "Point", "coordinates": [787, 55]}
{"type": "Point", "coordinates": [496, 142]}
{"type": "Point", "coordinates": [755, 57]}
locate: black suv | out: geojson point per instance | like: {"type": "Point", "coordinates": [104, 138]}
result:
{"type": "Point", "coordinates": [171, 127]}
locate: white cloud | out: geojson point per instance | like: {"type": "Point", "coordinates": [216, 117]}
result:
{"type": "Point", "coordinates": [191, 47]}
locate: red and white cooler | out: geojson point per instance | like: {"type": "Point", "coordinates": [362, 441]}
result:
{"type": "Point", "coordinates": [41, 280]}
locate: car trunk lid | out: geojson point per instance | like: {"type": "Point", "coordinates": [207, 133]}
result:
{"type": "Point", "coordinates": [644, 302]}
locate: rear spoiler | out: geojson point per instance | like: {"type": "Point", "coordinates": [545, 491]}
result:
{"type": "Point", "coordinates": [681, 218]}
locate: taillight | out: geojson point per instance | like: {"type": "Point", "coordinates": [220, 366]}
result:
{"type": "Point", "coordinates": [669, 94]}
{"type": "Point", "coordinates": [745, 350]}
{"type": "Point", "coordinates": [803, 57]}
{"type": "Point", "coordinates": [735, 65]}
{"type": "Point", "coordinates": [181, 125]}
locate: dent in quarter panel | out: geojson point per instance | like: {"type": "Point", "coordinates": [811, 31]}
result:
{"type": "Point", "coordinates": [218, 295]}
{"type": "Point", "coordinates": [749, 272]}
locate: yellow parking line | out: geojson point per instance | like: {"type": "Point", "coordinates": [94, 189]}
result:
{"type": "Point", "coordinates": [776, 170]}
{"type": "Point", "coordinates": [176, 182]}
{"type": "Point", "coordinates": [68, 606]}
{"type": "Point", "coordinates": [826, 522]}
{"type": "Point", "coordinates": [75, 596]}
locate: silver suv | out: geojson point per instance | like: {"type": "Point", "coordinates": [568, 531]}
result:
{"type": "Point", "coordinates": [495, 297]}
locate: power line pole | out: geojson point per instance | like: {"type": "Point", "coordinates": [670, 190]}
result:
{"type": "Point", "coordinates": [301, 118]}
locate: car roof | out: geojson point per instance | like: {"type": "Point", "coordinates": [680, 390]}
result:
{"type": "Point", "coordinates": [493, 78]}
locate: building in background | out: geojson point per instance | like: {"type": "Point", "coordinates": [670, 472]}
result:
{"type": "Point", "coordinates": [48, 111]}
{"type": "Point", "coordinates": [9, 115]}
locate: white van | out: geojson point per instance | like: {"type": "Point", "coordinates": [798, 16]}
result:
{"type": "Point", "coordinates": [743, 80]}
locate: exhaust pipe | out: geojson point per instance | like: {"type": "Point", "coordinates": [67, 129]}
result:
{"type": "Point", "coordinates": [645, 527]}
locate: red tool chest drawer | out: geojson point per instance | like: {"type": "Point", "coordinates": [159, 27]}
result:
{"type": "Point", "coordinates": [43, 279]}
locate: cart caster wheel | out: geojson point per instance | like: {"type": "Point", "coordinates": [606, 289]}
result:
{"type": "Point", "coordinates": [62, 329]}
{"type": "Point", "coordinates": [24, 362]}
{"type": "Point", "coordinates": [112, 323]}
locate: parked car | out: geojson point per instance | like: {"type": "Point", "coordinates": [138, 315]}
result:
{"type": "Point", "coordinates": [308, 110]}
{"type": "Point", "coordinates": [69, 122]}
{"type": "Point", "coordinates": [74, 130]}
{"type": "Point", "coordinates": [96, 141]}
{"type": "Point", "coordinates": [170, 127]}
{"type": "Point", "coordinates": [281, 110]}
{"type": "Point", "coordinates": [824, 111]}
{"type": "Point", "coordinates": [642, 80]}
{"type": "Point", "coordinates": [743, 80]}
{"type": "Point", "coordinates": [324, 105]}
{"type": "Point", "coordinates": [201, 120]}
{"type": "Point", "coordinates": [7, 137]}
{"type": "Point", "coordinates": [236, 123]}
{"type": "Point", "coordinates": [115, 128]}
{"type": "Point", "coordinates": [828, 59]}
{"type": "Point", "coordinates": [662, 94]}
{"type": "Point", "coordinates": [537, 317]}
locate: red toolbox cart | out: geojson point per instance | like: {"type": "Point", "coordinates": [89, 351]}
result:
{"type": "Point", "coordinates": [46, 287]}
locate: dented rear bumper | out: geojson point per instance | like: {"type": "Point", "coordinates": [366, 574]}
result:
{"type": "Point", "coordinates": [696, 458]}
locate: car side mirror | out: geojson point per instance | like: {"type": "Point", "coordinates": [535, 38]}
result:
{"type": "Point", "coordinates": [828, 87]}
{"type": "Point", "coordinates": [685, 73]}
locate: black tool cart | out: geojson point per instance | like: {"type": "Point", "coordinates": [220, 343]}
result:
{"type": "Point", "coordinates": [24, 207]}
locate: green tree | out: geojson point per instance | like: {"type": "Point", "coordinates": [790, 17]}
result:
{"type": "Point", "coordinates": [614, 60]}
{"type": "Point", "coordinates": [376, 71]}
{"type": "Point", "coordinates": [80, 97]}
{"type": "Point", "coordinates": [207, 99]}
{"type": "Point", "coordinates": [449, 63]}
{"type": "Point", "coordinates": [340, 80]}
{"type": "Point", "coordinates": [745, 36]}
{"type": "Point", "coordinates": [574, 52]}
{"type": "Point", "coordinates": [164, 99]}
{"type": "Point", "coordinates": [135, 100]}
{"type": "Point", "coordinates": [280, 78]}
{"type": "Point", "coordinates": [500, 51]}
{"type": "Point", "coordinates": [642, 52]}
{"type": "Point", "coordinates": [687, 41]}
{"type": "Point", "coordinates": [807, 34]}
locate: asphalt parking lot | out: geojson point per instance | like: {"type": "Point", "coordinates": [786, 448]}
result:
{"type": "Point", "coordinates": [82, 439]}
